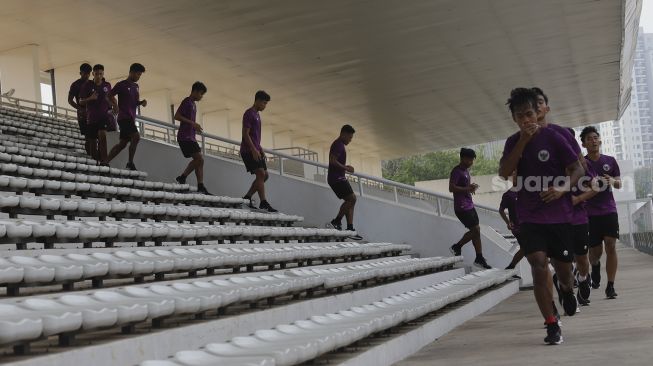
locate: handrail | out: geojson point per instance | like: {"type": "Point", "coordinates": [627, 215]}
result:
{"type": "Point", "coordinates": [142, 121]}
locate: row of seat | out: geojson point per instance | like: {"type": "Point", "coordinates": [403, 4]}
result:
{"type": "Point", "coordinates": [67, 184]}
{"type": "Point", "coordinates": [69, 166]}
{"type": "Point", "coordinates": [48, 269]}
{"type": "Point", "coordinates": [28, 319]}
{"type": "Point", "coordinates": [19, 232]}
{"type": "Point", "coordinates": [15, 204]}
{"type": "Point", "coordinates": [40, 130]}
{"type": "Point", "coordinates": [305, 340]}
{"type": "Point", "coordinates": [26, 150]}
{"type": "Point", "coordinates": [36, 145]}
{"type": "Point", "coordinates": [68, 125]}
{"type": "Point", "coordinates": [42, 141]}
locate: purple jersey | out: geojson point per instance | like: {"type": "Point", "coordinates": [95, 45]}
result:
{"type": "Point", "coordinates": [97, 110]}
{"type": "Point", "coordinates": [74, 92]}
{"type": "Point", "coordinates": [543, 162]}
{"type": "Point", "coordinates": [187, 109]}
{"type": "Point", "coordinates": [566, 134]}
{"type": "Point", "coordinates": [509, 202]}
{"type": "Point", "coordinates": [128, 98]}
{"type": "Point", "coordinates": [579, 216]}
{"type": "Point", "coordinates": [603, 203]}
{"type": "Point", "coordinates": [335, 172]}
{"type": "Point", "coordinates": [460, 177]}
{"type": "Point", "coordinates": [252, 120]}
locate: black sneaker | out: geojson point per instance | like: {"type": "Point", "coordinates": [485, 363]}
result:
{"type": "Point", "coordinates": [610, 293]}
{"type": "Point", "coordinates": [455, 250]}
{"type": "Point", "coordinates": [333, 224]}
{"type": "Point", "coordinates": [584, 290]}
{"type": "Point", "coordinates": [509, 267]}
{"type": "Point", "coordinates": [556, 313]}
{"type": "Point", "coordinates": [181, 179]}
{"type": "Point", "coordinates": [201, 189]}
{"type": "Point", "coordinates": [569, 303]}
{"type": "Point", "coordinates": [249, 203]}
{"type": "Point", "coordinates": [265, 206]}
{"type": "Point", "coordinates": [480, 262]}
{"type": "Point", "coordinates": [131, 166]}
{"type": "Point", "coordinates": [553, 334]}
{"type": "Point", "coordinates": [354, 236]}
{"type": "Point", "coordinates": [596, 276]}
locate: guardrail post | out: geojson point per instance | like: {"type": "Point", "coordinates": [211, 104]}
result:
{"type": "Point", "coordinates": [203, 144]}
{"type": "Point", "coordinates": [630, 227]}
{"type": "Point", "coordinates": [141, 125]}
{"type": "Point", "coordinates": [438, 207]}
{"type": "Point", "coordinates": [394, 189]}
{"type": "Point", "coordinates": [360, 186]}
{"type": "Point", "coordinates": [280, 165]}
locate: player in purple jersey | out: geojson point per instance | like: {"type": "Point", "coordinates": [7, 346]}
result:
{"type": "Point", "coordinates": [547, 168]}
{"type": "Point", "coordinates": [509, 202]}
{"type": "Point", "coordinates": [252, 153]}
{"type": "Point", "coordinates": [97, 100]}
{"type": "Point", "coordinates": [128, 102]}
{"type": "Point", "coordinates": [337, 179]}
{"type": "Point", "coordinates": [186, 115]}
{"type": "Point", "coordinates": [602, 211]}
{"type": "Point", "coordinates": [74, 99]}
{"type": "Point", "coordinates": [461, 186]}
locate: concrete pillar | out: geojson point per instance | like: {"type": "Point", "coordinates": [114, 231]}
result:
{"type": "Point", "coordinates": [322, 152]}
{"type": "Point", "coordinates": [267, 138]}
{"type": "Point", "coordinates": [19, 70]}
{"type": "Point", "coordinates": [217, 122]}
{"type": "Point", "coordinates": [372, 166]}
{"type": "Point", "coordinates": [158, 105]}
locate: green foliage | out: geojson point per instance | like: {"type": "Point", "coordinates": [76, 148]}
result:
{"type": "Point", "coordinates": [435, 165]}
{"type": "Point", "coordinates": [643, 182]}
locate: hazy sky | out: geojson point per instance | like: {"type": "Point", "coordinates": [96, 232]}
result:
{"type": "Point", "coordinates": [646, 19]}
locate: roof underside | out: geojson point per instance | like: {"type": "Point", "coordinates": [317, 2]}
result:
{"type": "Point", "coordinates": [411, 76]}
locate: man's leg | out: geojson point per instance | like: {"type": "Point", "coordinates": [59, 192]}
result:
{"type": "Point", "coordinates": [476, 240]}
{"type": "Point", "coordinates": [467, 237]}
{"type": "Point", "coordinates": [516, 258]}
{"type": "Point", "coordinates": [134, 139]}
{"type": "Point", "coordinates": [349, 213]}
{"type": "Point", "coordinates": [102, 145]}
{"type": "Point", "coordinates": [541, 276]}
{"type": "Point", "coordinates": [116, 149]}
{"type": "Point", "coordinates": [565, 276]}
{"type": "Point", "coordinates": [92, 146]}
{"type": "Point", "coordinates": [611, 263]}
{"type": "Point", "coordinates": [198, 159]}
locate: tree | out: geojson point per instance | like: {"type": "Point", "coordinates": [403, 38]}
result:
{"type": "Point", "coordinates": [434, 165]}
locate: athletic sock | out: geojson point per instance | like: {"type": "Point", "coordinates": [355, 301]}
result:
{"type": "Point", "coordinates": [582, 278]}
{"type": "Point", "coordinates": [551, 319]}
{"type": "Point", "coordinates": [610, 284]}
{"type": "Point", "coordinates": [350, 227]}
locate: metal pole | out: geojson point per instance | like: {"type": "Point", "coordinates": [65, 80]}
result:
{"type": "Point", "coordinates": [280, 165]}
{"type": "Point", "coordinates": [438, 207]}
{"type": "Point", "coordinates": [360, 186]}
{"type": "Point", "coordinates": [630, 227]}
{"type": "Point", "coordinates": [394, 189]}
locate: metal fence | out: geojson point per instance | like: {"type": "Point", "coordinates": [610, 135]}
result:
{"type": "Point", "coordinates": [278, 162]}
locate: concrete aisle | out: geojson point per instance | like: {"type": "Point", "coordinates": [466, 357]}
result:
{"type": "Point", "coordinates": [608, 332]}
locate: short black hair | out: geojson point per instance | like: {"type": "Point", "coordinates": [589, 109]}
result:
{"type": "Point", "coordinates": [586, 131]}
{"type": "Point", "coordinates": [347, 129]}
{"type": "Point", "coordinates": [136, 67]}
{"type": "Point", "coordinates": [198, 86]}
{"type": "Point", "coordinates": [98, 67]}
{"type": "Point", "coordinates": [467, 153]}
{"type": "Point", "coordinates": [85, 67]}
{"type": "Point", "coordinates": [520, 97]}
{"type": "Point", "coordinates": [262, 95]}
{"type": "Point", "coordinates": [539, 91]}
{"type": "Point", "coordinates": [571, 131]}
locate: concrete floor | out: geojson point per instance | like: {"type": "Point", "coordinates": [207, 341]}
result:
{"type": "Point", "coordinates": [608, 332]}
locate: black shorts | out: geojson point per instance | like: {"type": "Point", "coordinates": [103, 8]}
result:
{"type": "Point", "coordinates": [602, 226]}
{"type": "Point", "coordinates": [127, 128]}
{"type": "Point", "coordinates": [581, 238]}
{"type": "Point", "coordinates": [189, 148]}
{"type": "Point", "coordinates": [82, 126]}
{"type": "Point", "coordinates": [251, 165]}
{"type": "Point", "coordinates": [518, 237]}
{"type": "Point", "coordinates": [468, 218]}
{"type": "Point", "coordinates": [93, 128]}
{"type": "Point", "coordinates": [556, 240]}
{"type": "Point", "coordinates": [341, 188]}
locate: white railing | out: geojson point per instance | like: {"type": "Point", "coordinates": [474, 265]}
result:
{"type": "Point", "coordinates": [278, 162]}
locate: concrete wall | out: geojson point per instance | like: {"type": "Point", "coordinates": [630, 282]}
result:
{"type": "Point", "coordinates": [19, 70]}
{"type": "Point", "coordinates": [377, 220]}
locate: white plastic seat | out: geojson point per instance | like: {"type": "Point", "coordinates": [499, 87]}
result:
{"type": "Point", "coordinates": [56, 318]}
{"type": "Point", "coordinates": [94, 313]}
{"type": "Point", "coordinates": [18, 324]}
{"type": "Point", "coordinates": [201, 358]}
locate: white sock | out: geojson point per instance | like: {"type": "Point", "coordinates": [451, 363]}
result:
{"type": "Point", "coordinates": [581, 278]}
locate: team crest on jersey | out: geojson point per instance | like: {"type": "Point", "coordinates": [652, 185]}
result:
{"type": "Point", "coordinates": [105, 89]}
{"type": "Point", "coordinates": [543, 155]}
{"type": "Point", "coordinates": [606, 167]}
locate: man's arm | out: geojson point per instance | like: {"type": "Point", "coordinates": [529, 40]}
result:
{"type": "Point", "coordinates": [71, 101]}
{"type": "Point", "coordinates": [458, 189]}
{"type": "Point", "coordinates": [183, 119]}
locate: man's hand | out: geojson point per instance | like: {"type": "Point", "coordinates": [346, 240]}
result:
{"type": "Point", "coordinates": [92, 96]}
{"type": "Point", "coordinates": [256, 155]}
{"type": "Point", "coordinates": [552, 194]}
{"type": "Point", "coordinates": [144, 103]}
{"type": "Point", "coordinates": [472, 188]}
{"type": "Point", "coordinates": [527, 132]}
{"type": "Point", "coordinates": [608, 180]}
{"type": "Point", "coordinates": [198, 127]}
{"type": "Point", "coordinates": [349, 169]}
{"type": "Point", "coordinates": [511, 226]}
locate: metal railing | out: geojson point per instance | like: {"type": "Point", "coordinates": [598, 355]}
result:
{"type": "Point", "coordinates": [278, 162]}
{"type": "Point", "coordinates": [638, 233]}
{"type": "Point", "coordinates": [300, 152]}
